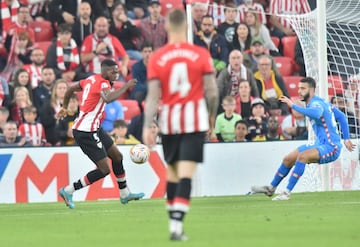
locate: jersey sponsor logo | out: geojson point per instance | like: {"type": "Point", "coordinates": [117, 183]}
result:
{"type": "Point", "coordinates": [104, 85]}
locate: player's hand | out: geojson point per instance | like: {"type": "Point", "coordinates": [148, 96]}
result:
{"type": "Point", "coordinates": [61, 114]}
{"type": "Point", "coordinates": [149, 138]}
{"type": "Point", "coordinates": [131, 83]}
{"type": "Point", "coordinates": [349, 145]}
{"type": "Point", "coordinates": [286, 100]}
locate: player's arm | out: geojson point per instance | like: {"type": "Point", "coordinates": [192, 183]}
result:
{"type": "Point", "coordinates": [312, 112]}
{"type": "Point", "coordinates": [69, 91]}
{"type": "Point", "coordinates": [342, 120]}
{"type": "Point", "coordinates": [211, 97]}
{"type": "Point", "coordinates": [110, 96]}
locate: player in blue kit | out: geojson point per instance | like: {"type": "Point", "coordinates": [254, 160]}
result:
{"type": "Point", "coordinates": [327, 147]}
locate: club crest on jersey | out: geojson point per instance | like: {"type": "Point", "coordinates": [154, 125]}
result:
{"type": "Point", "coordinates": [104, 85]}
{"type": "Point", "coordinates": [99, 144]}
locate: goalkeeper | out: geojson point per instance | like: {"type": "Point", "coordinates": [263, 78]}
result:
{"type": "Point", "coordinates": [327, 146]}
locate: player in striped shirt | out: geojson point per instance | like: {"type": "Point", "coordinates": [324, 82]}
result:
{"type": "Point", "coordinates": [93, 140]}
{"type": "Point", "coordinates": [181, 74]}
{"type": "Point", "coordinates": [327, 147]}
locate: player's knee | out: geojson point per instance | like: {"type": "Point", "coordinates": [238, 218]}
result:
{"type": "Point", "coordinates": [105, 170]}
{"type": "Point", "coordinates": [302, 157]}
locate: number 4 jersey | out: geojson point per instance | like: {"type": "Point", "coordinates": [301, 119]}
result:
{"type": "Point", "coordinates": [180, 69]}
{"type": "Point", "coordinates": [92, 105]}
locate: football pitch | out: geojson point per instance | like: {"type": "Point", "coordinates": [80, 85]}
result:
{"type": "Point", "coordinates": [308, 219]}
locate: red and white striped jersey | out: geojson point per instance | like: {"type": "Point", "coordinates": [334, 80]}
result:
{"type": "Point", "coordinates": [34, 133]}
{"type": "Point", "coordinates": [288, 7]}
{"type": "Point", "coordinates": [92, 105]}
{"type": "Point", "coordinates": [217, 12]}
{"type": "Point", "coordinates": [34, 73]}
{"type": "Point", "coordinates": [256, 7]}
{"type": "Point", "coordinates": [180, 69]}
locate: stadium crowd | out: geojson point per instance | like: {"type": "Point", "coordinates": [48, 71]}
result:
{"type": "Point", "coordinates": [47, 45]}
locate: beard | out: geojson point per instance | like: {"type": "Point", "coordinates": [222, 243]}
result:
{"type": "Point", "coordinates": [207, 33]}
{"type": "Point", "coordinates": [306, 97]}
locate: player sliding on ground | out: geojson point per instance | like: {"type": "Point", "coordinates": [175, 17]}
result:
{"type": "Point", "coordinates": [93, 140]}
{"type": "Point", "coordinates": [327, 146]}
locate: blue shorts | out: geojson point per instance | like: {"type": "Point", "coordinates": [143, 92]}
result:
{"type": "Point", "coordinates": [327, 152]}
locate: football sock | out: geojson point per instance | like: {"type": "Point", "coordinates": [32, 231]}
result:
{"type": "Point", "coordinates": [280, 174]}
{"type": "Point", "coordinates": [119, 172]}
{"type": "Point", "coordinates": [296, 174]}
{"type": "Point", "coordinates": [170, 195]}
{"type": "Point", "coordinates": [90, 178]}
{"type": "Point", "coordinates": [181, 205]}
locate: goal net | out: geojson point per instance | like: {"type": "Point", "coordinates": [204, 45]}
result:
{"type": "Point", "coordinates": [343, 84]}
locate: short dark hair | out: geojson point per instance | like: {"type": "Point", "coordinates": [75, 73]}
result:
{"type": "Point", "coordinates": [108, 63]}
{"type": "Point", "coordinates": [147, 44]}
{"type": "Point", "coordinates": [47, 67]}
{"type": "Point", "coordinates": [30, 108]}
{"type": "Point", "coordinates": [242, 121]}
{"type": "Point", "coordinates": [117, 4]}
{"type": "Point", "coordinates": [207, 16]}
{"type": "Point", "coordinates": [309, 80]}
{"type": "Point", "coordinates": [120, 123]}
{"type": "Point", "coordinates": [65, 28]}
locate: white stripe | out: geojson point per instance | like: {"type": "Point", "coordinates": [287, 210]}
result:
{"type": "Point", "coordinates": [189, 117]}
{"type": "Point", "coordinates": [181, 207]}
{"type": "Point", "coordinates": [203, 115]}
{"type": "Point", "coordinates": [175, 119]}
{"type": "Point", "coordinates": [164, 127]}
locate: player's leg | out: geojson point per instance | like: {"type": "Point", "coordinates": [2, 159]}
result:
{"type": "Point", "coordinates": [183, 152]}
{"type": "Point", "coordinates": [307, 154]}
{"type": "Point", "coordinates": [118, 169]}
{"type": "Point", "coordinates": [91, 145]}
{"type": "Point", "coordinates": [283, 170]}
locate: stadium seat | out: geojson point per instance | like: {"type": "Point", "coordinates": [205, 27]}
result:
{"type": "Point", "coordinates": [291, 83]}
{"type": "Point", "coordinates": [285, 65]}
{"type": "Point", "coordinates": [288, 43]}
{"type": "Point", "coordinates": [335, 85]}
{"type": "Point", "coordinates": [167, 5]}
{"type": "Point", "coordinates": [275, 40]}
{"type": "Point", "coordinates": [119, 84]}
{"type": "Point", "coordinates": [44, 45]}
{"type": "Point", "coordinates": [43, 30]}
{"type": "Point", "coordinates": [131, 108]}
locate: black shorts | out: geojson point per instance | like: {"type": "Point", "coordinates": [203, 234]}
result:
{"type": "Point", "coordinates": [183, 147]}
{"type": "Point", "coordinates": [94, 144]}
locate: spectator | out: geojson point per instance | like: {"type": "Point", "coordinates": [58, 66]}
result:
{"type": "Point", "coordinates": [100, 46]}
{"type": "Point", "coordinates": [135, 126]}
{"type": "Point", "coordinates": [49, 110]}
{"type": "Point", "coordinates": [270, 84]}
{"type": "Point", "coordinates": [4, 115]}
{"type": "Point", "coordinates": [241, 131]}
{"type": "Point", "coordinates": [64, 57]}
{"type": "Point", "coordinates": [83, 25]}
{"type": "Point", "coordinates": [343, 105]}
{"type": "Point", "coordinates": [257, 122]}
{"type": "Point", "coordinates": [242, 38]}
{"type": "Point", "coordinates": [198, 11]}
{"type": "Point", "coordinates": [20, 101]}
{"type": "Point", "coordinates": [216, 10]}
{"type": "Point", "coordinates": [280, 26]}
{"type": "Point", "coordinates": [31, 129]}
{"type": "Point", "coordinates": [119, 133]}
{"type": "Point", "coordinates": [5, 97]}
{"type": "Point", "coordinates": [208, 38]}
{"type": "Point", "coordinates": [64, 128]}
{"type": "Point", "coordinates": [273, 131]}
{"type": "Point", "coordinates": [23, 48]}
{"type": "Point", "coordinates": [259, 30]}
{"type": "Point", "coordinates": [251, 5]}
{"type": "Point", "coordinates": [299, 58]}
{"type": "Point", "coordinates": [152, 28]}
{"type": "Point", "coordinates": [137, 8]}
{"type": "Point", "coordinates": [21, 78]}
{"type": "Point", "coordinates": [257, 50]}
{"type": "Point", "coordinates": [34, 69]}
{"type": "Point", "coordinates": [125, 31]}
{"type": "Point", "coordinates": [225, 122]}
{"type": "Point", "coordinates": [294, 125]}
{"type": "Point", "coordinates": [42, 93]}
{"type": "Point", "coordinates": [139, 70]}
{"type": "Point", "coordinates": [229, 26]}
{"type": "Point", "coordinates": [38, 9]}
{"type": "Point", "coordinates": [243, 100]}
{"type": "Point", "coordinates": [104, 8]}
{"type": "Point", "coordinates": [11, 137]}
{"type": "Point", "coordinates": [352, 95]}
{"type": "Point", "coordinates": [63, 11]}
{"type": "Point", "coordinates": [229, 78]}
{"type": "Point", "coordinates": [113, 111]}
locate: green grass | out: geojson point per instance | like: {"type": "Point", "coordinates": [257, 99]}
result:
{"type": "Point", "coordinates": [308, 219]}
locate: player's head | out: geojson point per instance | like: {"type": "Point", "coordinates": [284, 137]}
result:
{"type": "Point", "coordinates": [109, 70]}
{"type": "Point", "coordinates": [175, 21]}
{"type": "Point", "coordinates": [306, 87]}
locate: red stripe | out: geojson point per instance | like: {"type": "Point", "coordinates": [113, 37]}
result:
{"type": "Point", "coordinates": [169, 202]}
{"type": "Point", "coordinates": [87, 182]}
{"type": "Point", "coordinates": [182, 200]}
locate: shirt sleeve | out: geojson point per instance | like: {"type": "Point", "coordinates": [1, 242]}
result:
{"type": "Point", "coordinates": [342, 120]}
{"type": "Point", "coordinates": [312, 112]}
{"type": "Point", "coordinates": [152, 72]}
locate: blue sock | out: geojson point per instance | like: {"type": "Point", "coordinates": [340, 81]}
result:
{"type": "Point", "coordinates": [295, 176]}
{"type": "Point", "coordinates": [280, 174]}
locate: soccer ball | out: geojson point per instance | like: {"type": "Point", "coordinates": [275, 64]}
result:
{"type": "Point", "coordinates": [139, 153]}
